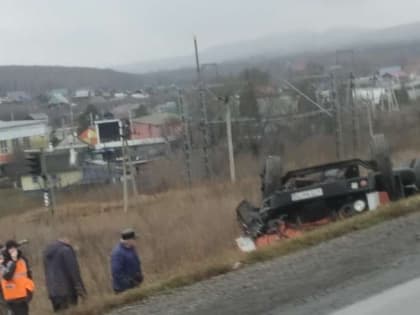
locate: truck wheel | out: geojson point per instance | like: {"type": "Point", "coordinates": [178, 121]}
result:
{"type": "Point", "coordinates": [415, 166]}
{"type": "Point", "coordinates": [249, 219]}
{"type": "Point", "coordinates": [271, 175]}
{"type": "Point", "coordinates": [346, 211]}
{"type": "Point", "coordinates": [380, 153]}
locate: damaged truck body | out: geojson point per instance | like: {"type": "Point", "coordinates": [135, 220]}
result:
{"type": "Point", "coordinates": [305, 198]}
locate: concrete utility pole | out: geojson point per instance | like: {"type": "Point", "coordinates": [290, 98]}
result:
{"type": "Point", "coordinates": [127, 165]}
{"type": "Point", "coordinates": [204, 121]}
{"type": "Point", "coordinates": [230, 142]}
{"type": "Point", "coordinates": [186, 139]}
{"type": "Point", "coordinates": [49, 192]}
{"type": "Point", "coordinates": [125, 192]}
{"type": "Point", "coordinates": [369, 117]}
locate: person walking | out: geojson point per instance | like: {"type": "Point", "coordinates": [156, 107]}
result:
{"type": "Point", "coordinates": [4, 309]}
{"type": "Point", "coordinates": [125, 263]}
{"type": "Point", "coordinates": [62, 275]}
{"type": "Point", "coordinates": [16, 283]}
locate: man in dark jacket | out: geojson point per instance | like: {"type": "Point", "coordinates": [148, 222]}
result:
{"type": "Point", "coordinates": [62, 275]}
{"type": "Point", "coordinates": [126, 264]}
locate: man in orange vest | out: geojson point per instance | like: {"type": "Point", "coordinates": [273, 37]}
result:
{"type": "Point", "coordinates": [16, 284]}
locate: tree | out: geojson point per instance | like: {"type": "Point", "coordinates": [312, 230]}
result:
{"type": "Point", "coordinates": [402, 96]}
{"type": "Point", "coordinates": [141, 111]}
{"type": "Point", "coordinates": [83, 121]}
{"type": "Point", "coordinates": [53, 138]}
{"type": "Point", "coordinates": [304, 105]}
{"type": "Point", "coordinates": [255, 76]}
{"type": "Point", "coordinates": [248, 106]}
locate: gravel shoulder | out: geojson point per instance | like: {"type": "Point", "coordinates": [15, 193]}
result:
{"type": "Point", "coordinates": [318, 280]}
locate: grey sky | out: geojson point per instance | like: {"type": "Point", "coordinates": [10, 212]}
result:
{"type": "Point", "coordinates": [110, 32]}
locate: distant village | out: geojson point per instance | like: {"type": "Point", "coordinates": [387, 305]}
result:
{"type": "Point", "coordinates": [77, 128]}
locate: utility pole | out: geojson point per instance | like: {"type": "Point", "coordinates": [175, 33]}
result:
{"type": "Point", "coordinates": [230, 142]}
{"type": "Point", "coordinates": [91, 119]}
{"type": "Point", "coordinates": [204, 121]}
{"type": "Point", "coordinates": [125, 192]}
{"type": "Point", "coordinates": [131, 169]}
{"type": "Point", "coordinates": [126, 158]}
{"type": "Point", "coordinates": [369, 117]}
{"type": "Point", "coordinates": [354, 115]}
{"type": "Point", "coordinates": [49, 193]}
{"type": "Point", "coordinates": [186, 139]}
{"type": "Point", "coordinates": [338, 118]}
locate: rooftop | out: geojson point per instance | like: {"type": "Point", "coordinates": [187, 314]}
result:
{"type": "Point", "coordinates": [19, 123]}
{"type": "Point", "coordinates": [157, 118]}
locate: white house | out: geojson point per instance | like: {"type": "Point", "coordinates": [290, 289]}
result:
{"type": "Point", "coordinates": [21, 134]}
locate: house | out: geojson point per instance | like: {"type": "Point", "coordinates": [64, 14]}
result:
{"type": "Point", "coordinates": [57, 99]}
{"type": "Point", "coordinates": [59, 164]}
{"type": "Point", "coordinates": [120, 95]}
{"type": "Point", "coordinates": [139, 94]}
{"type": "Point", "coordinates": [69, 141]}
{"type": "Point", "coordinates": [20, 135]}
{"type": "Point", "coordinates": [105, 137]}
{"type": "Point", "coordinates": [168, 107]}
{"type": "Point", "coordinates": [83, 93]}
{"type": "Point", "coordinates": [392, 74]}
{"type": "Point", "coordinates": [124, 110]}
{"type": "Point", "coordinates": [413, 89]}
{"type": "Point", "coordinates": [157, 125]}
{"type": "Point", "coordinates": [18, 97]}
{"type": "Point", "coordinates": [63, 91]}
{"type": "Point", "coordinates": [37, 116]}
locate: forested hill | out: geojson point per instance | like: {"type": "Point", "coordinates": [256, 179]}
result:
{"type": "Point", "coordinates": [37, 79]}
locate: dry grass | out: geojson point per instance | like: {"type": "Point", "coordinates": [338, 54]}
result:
{"type": "Point", "coordinates": [179, 231]}
{"type": "Point", "coordinates": [223, 261]}
{"type": "Point", "coordinates": [185, 236]}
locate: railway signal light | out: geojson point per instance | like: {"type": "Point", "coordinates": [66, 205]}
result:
{"type": "Point", "coordinates": [34, 163]}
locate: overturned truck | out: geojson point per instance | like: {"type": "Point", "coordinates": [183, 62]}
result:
{"type": "Point", "coordinates": [305, 198]}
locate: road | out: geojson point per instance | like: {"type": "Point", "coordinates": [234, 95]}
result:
{"type": "Point", "coordinates": [321, 280]}
{"type": "Point", "coordinates": [402, 299]}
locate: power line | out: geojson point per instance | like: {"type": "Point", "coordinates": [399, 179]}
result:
{"type": "Point", "coordinates": [307, 97]}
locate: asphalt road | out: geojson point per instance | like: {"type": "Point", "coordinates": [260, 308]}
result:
{"type": "Point", "coordinates": [402, 299]}
{"type": "Point", "coordinates": [321, 280]}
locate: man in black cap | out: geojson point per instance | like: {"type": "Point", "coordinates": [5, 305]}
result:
{"type": "Point", "coordinates": [125, 263]}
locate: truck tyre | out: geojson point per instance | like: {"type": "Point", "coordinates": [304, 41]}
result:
{"type": "Point", "coordinates": [271, 175]}
{"type": "Point", "coordinates": [249, 219]}
{"type": "Point", "coordinates": [415, 166]}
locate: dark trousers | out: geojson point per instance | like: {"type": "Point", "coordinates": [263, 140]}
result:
{"type": "Point", "coordinates": [60, 303]}
{"type": "Point", "coordinates": [19, 308]}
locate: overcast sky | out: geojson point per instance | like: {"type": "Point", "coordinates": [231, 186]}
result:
{"type": "Point", "coordinates": [111, 32]}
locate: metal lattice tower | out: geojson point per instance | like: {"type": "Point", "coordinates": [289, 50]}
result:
{"type": "Point", "coordinates": [338, 118]}
{"type": "Point", "coordinates": [186, 138]}
{"type": "Point", "coordinates": [204, 126]}
{"type": "Point", "coordinates": [354, 116]}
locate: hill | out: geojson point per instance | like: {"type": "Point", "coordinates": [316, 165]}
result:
{"type": "Point", "coordinates": [284, 44]}
{"type": "Point", "coordinates": [37, 79]}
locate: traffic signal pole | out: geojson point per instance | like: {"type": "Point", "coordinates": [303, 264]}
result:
{"type": "Point", "coordinates": [49, 197]}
